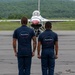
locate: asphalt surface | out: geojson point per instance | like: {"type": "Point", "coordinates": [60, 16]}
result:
{"type": "Point", "coordinates": [65, 64]}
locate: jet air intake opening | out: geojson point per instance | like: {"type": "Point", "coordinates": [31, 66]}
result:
{"type": "Point", "coordinates": [37, 26]}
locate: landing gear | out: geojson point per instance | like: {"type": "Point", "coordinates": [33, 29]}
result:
{"type": "Point", "coordinates": [36, 29]}
{"type": "Point", "coordinates": [37, 32]}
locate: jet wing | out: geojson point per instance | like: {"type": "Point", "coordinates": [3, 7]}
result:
{"type": "Point", "coordinates": [42, 19]}
{"type": "Point", "coordinates": [15, 20]}
{"type": "Point", "coordinates": [45, 20]}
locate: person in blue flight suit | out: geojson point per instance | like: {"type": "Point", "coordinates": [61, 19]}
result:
{"type": "Point", "coordinates": [49, 42]}
{"type": "Point", "coordinates": [23, 35]}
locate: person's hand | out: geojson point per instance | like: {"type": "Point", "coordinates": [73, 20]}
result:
{"type": "Point", "coordinates": [39, 56]}
{"type": "Point", "coordinates": [16, 54]}
{"type": "Point", "coordinates": [33, 54]}
{"type": "Point", "coordinates": [56, 56]}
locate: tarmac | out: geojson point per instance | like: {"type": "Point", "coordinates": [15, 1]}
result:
{"type": "Point", "coordinates": [65, 64]}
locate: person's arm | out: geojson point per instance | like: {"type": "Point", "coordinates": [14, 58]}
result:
{"type": "Point", "coordinates": [14, 46]}
{"type": "Point", "coordinates": [34, 45]}
{"type": "Point", "coordinates": [38, 49]}
{"type": "Point", "coordinates": [56, 49]}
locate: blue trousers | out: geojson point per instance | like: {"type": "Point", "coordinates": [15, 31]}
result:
{"type": "Point", "coordinates": [24, 65]}
{"type": "Point", "coordinates": [47, 62]}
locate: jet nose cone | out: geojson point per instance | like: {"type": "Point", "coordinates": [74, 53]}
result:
{"type": "Point", "coordinates": [35, 22]}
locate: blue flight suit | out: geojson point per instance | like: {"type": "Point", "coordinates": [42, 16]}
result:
{"type": "Point", "coordinates": [48, 39]}
{"type": "Point", "coordinates": [24, 35]}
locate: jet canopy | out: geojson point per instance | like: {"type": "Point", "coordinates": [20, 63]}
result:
{"type": "Point", "coordinates": [36, 13]}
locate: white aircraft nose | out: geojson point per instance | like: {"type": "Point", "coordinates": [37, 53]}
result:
{"type": "Point", "coordinates": [35, 22]}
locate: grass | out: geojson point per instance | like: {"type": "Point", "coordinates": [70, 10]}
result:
{"type": "Point", "coordinates": [64, 25]}
{"type": "Point", "coordinates": [56, 25]}
{"type": "Point", "coordinates": [9, 25]}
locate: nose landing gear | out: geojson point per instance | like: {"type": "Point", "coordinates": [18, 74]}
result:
{"type": "Point", "coordinates": [36, 29]}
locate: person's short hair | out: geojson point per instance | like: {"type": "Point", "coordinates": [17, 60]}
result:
{"type": "Point", "coordinates": [48, 24]}
{"type": "Point", "coordinates": [24, 20]}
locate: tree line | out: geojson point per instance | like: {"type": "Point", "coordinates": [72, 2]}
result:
{"type": "Point", "coordinates": [15, 9]}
